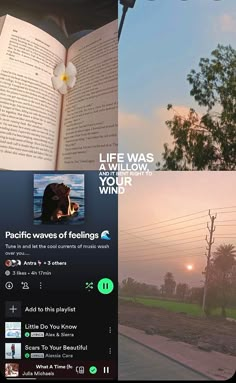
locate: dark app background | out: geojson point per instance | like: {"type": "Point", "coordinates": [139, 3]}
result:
{"type": "Point", "coordinates": [66, 285]}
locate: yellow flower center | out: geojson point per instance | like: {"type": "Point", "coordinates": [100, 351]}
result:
{"type": "Point", "coordinates": [64, 77]}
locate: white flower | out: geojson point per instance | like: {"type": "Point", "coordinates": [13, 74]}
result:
{"type": "Point", "coordinates": [64, 77]}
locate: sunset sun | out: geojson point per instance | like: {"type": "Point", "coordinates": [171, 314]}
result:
{"type": "Point", "coordinates": [189, 267]}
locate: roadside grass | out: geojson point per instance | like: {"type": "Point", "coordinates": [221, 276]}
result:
{"type": "Point", "coordinates": [188, 308]}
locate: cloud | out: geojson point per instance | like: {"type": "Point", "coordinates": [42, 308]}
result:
{"type": "Point", "coordinates": [131, 120]}
{"type": "Point", "coordinates": [141, 134]}
{"type": "Point", "coordinates": [138, 133]}
{"type": "Point", "coordinates": [228, 22]}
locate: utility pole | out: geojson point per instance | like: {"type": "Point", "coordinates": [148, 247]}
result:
{"type": "Point", "coordinates": [126, 5]}
{"type": "Point", "coordinates": [209, 243]}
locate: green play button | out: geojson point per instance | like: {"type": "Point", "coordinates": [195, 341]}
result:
{"type": "Point", "coordinates": [105, 286]}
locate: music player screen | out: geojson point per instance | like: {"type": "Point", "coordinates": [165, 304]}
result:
{"type": "Point", "coordinates": [58, 277]}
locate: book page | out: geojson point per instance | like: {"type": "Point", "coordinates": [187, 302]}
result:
{"type": "Point", "coordinates": [90, 109]}
{"type": "Point", "coordinates": [29, 106]}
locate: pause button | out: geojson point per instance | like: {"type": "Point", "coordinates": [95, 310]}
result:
{"type": "Point", "coordinates": [105, 286]}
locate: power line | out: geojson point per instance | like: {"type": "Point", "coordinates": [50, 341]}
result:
{"type": "Point", "coordinates": [227, 234]}
{"type": "Point", "coordinates": [163, 242]}
{"type": "Point", "coordinates": [190, 231]}
{"type": "Point", "coordinates": [184, 216]}
{"type": "Point", "coordinates": [168, 220]}
{"type": "Point", "coordinates": [222, 208]}
{"type": "Point", "coordinates": [176, 240]}
{"type": "Point", "coordinates": [139, 238]}
{"type": "Point", "coordinates": [226, 225]}
{"type": "Point", "coordinates": [159, 247]}
{"type": "Point", "coordinates": [178, 228]}
{"type": "Point", "coordinates": [160, 259]}
{"type": "Point", "coordinates": [168, 231]}
{"type": "Point", "coordinates": [148, 237]}
{"type": "Point", "coordinates": [157, 251]}
{"type": "Point", "coordinates": [228, 220]}
{"type": "Point", "coordinates": [168, 252]}
{"type": "Point", "coordinates": [171, 224]}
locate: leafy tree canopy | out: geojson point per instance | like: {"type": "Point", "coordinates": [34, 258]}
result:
{"type": "Point", "coordinates": [221, 277]}
{"type": "Point", "coordinates": [206, 141]}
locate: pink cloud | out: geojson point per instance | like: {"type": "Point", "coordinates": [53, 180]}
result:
{"type": "Point", "coordinates": [147, 133]}
{"type": "Point", "coordinates": [131, 120]}
{"type": "Point", "coordinates": [228, 22]}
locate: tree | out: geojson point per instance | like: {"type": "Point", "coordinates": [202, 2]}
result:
{"type": "Point", "coordinates": [207, 141]}
{"type": "Point", "coordinates": [195, 295]}
{"type": "Point", "coordinates": [232, 293]}
{"type": "Point", "coordinates": [134, 288]}
{"type": "Point", "coordinates": [129, 287]}
{"type": "Point", "coordinates": [224, 258]}
{"type": "Point", "coordinates": [162, 290]}
{"type": "Point", "coordinates": [223, 262]}
{"type": "Point", "coordinates": [182, 290]}
{"type": "Point", "coordinates": [169, 284]}
{"type": "Point", "coordinates": [221, 277]}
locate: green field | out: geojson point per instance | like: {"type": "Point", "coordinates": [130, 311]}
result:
{"type": "Point", "coordinates": [188, 308]}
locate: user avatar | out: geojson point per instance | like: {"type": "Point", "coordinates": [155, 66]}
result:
{"type": "Point", "coordinates": [12, 262]}
{"type": "Point", "coordinates": [61, 201]}
{"type": "Point", "coordinates": [12, 350]}
{"type": "Point", "coordinates": [11, 369]}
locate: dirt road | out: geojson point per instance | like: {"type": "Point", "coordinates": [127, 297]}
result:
{"type": "Point", "coordinates": [216, 334]}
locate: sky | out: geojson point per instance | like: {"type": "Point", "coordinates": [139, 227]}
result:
{"type": "Point", "coordinates": [74, 181]}
{"type": "Point", "coordinates": [149, 247]}
{"type": "Point", "coordinates": [161, 42]}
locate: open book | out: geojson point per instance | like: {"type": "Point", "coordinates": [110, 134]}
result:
{"type": "Point", "coordinates": [39, 128]}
